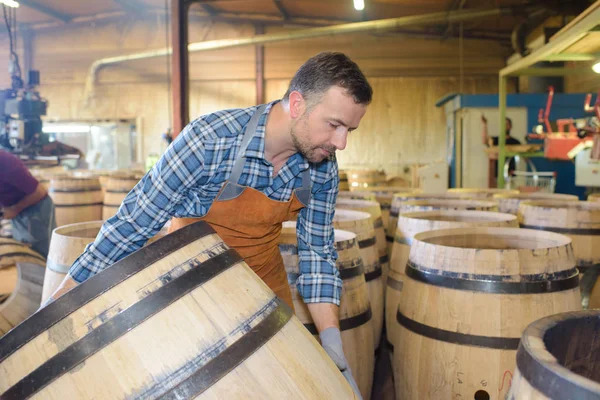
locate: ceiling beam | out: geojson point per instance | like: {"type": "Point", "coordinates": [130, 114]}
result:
{"type": "Point", "coordinates": [282, 10]}
{"type": "Point", "coordinates": [47, 10]}
{"type": "Point", "coordinates": [572, 57]}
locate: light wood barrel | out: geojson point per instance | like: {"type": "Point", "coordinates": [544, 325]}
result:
{"type": "Point", "coordinates": [45, 175]}
{"type": "Point", "coordinates": [183, 318]}
{"type": "Point", "coordinates": [594, 197]}
{"type": "Point", "coordinates": [481, 193]}
{"type": "Point", "coordinates": [26, 279]}
{"type": "Point", "coordinates": [509, 203]}
{"type": "Point", "coordinates": [66, 245]}
{"type": "Point", "coordinates": [581, 222]}
{"type": "Point", "coordinates": [355, 308]}
{"type": "Point", "coordinates": [115, 191]}
{"type": "Point", "coordinates": [356, 195]}
{"type": "Point", "coordinates": [384, 196]}
{"type": "Point", "coordinates": [468, 295]}
{"type": "Point", "coordinates": [13, 251]}
{"type": "Point", "coordinates": [374, 209]}
{"type": "Point", "coordinates": [360, 224]}
{"type": "Point", "coordinates": [76, 200]}
{"type": "Point", "coordinates": [437, 204]}
{"type": "Point", "coordinates": [559, 358]}
{"type": "Point", "coordinates": [400, 198]}
{"type": "Point", "coordinates": [411, 224]}
{"type": "Point", "coordinates": [344, 184]}
{"type": "Point", "coordinates": [364, 178]}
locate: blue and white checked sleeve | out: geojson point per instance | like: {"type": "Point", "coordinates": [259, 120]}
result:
{"type": "Point", "coordinates": [148, 206]}
{"type": "Point", "coordinates": [319, 280]}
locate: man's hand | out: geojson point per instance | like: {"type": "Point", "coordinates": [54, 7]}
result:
{"type": "Point", "coordinates": [331, 340]}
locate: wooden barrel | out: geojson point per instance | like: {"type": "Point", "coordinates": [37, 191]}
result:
{"type": "Point", "coordinates": [441, 204]}
{"type": "Point", "coordinates": [411, 224]}
{"type": "Point", "coordinates": [400, 198]}
{"type": "Point", "coordinates": [373, 208]}
{"type": "Point", "coordinates": [356, 195]}
{"type": "Point", "coordinates": [13, 251]}
{"type": "Point", "coordinates": [45, 175]}
{"type": "Point", "coordinates": [355, 308]}
{"type": "Point", "coordinates": [364, 178]}
{"type": "Point", "coordinates": [25, 279]}
{"type": "Point", "coordinates": [183, 317]}
{"type": "Point", "coordinates": [468, 295]}
{"type": "Point", "coordinates": [66, 245]}
{"type": "Point", "coordinates": [559, 358]}
{"type": "Point", "coordinates": [481, 193]}
{"type": "Point", "coordinates": [344, 185]}
{"type": "Point", "coordinates": [117, 187]}
{"type": "Point", "coordinates": [581, 222]}
{"type": "Point", "coordinates": [594, 197]}
{"type": "Point", "coordinates": [360, 224]}
{"type": "Point", "coordinates": [384, 196]}
{"type": "Point", "coordinates": [509, 203]}
{"type": "Point", "coordinates": [76, 200]}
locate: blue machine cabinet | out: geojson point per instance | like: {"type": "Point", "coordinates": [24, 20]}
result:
{"type": "Point", "coordinates": [563, 106]}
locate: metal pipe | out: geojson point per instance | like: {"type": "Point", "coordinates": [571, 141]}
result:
{"type": "Point", "coordinates": [376, 26]}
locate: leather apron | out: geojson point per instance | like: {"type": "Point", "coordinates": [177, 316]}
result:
{"type": "Point", "coordinates": [250, 222]}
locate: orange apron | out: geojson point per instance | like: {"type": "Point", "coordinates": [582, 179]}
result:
{"type": "Point", "coordinates": [250, 222]}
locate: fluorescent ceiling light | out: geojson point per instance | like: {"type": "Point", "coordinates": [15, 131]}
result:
{"type": "Point", "coordinates": [10, 3]}
{"type": "Point", "coordinates": [359, 5]}
{"type": "Point", "coordinates": [596, 67]}
{"type": "Point", "coordinates": [66, 129]}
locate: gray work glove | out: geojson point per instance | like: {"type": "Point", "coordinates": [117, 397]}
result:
{"type": "Point", "coordinates": [331, 340]}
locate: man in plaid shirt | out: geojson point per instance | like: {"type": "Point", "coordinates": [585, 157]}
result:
{"type": "Point", "coordinates": [245, 171]}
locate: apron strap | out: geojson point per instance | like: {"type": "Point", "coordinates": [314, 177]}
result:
{"type": "Point", "coordinates": [238, 166]}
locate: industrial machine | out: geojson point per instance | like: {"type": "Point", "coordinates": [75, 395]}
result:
{"type": "Point", "coordinates": [21, 111]}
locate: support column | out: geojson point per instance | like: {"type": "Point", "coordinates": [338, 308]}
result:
{"type": "Point", "coordinates": [260, 67]}
{"type": "Point", "coordinates": [180, 62]}
{"type": "Point", "coordinates": [502, 133]}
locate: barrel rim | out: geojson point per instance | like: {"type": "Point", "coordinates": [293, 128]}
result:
{"type": "Point", "coordinates": [577, 205]}
{"type": "Point", "coordinates": [537, 365]}
{"type": "Point", "coordinates": [64, 230]}
{"type": "Point", "coordinates": [481, 190]}
{"type": "Point", "coordinates": [358, 215]}
{"type": "Point", "coordinates": [419, 215]}
{"type": "Point", "coordinates": [490, 231]}
{"type": "Point", "coordinates": [97, 285]}
{"type": "Point", "coordinates": [536, 195]}
{"type": "Point", "coordinates": [357, 202]}
{"type": "Point", "coordinates": [450, 202]}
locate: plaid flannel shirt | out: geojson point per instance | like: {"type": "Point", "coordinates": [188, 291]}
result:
{"type": "Point", "coordinates": [186, 180]}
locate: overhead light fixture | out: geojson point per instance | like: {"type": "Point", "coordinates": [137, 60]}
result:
{"type": "Point", "coordinates": [359, 5]}
{"type": "Point", "coordinates": [10, 3]}
{"type": "Point", "coordinates": [596, 67]}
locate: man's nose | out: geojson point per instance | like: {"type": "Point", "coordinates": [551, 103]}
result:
{"type": "Point", "coordinates": [340, 139]}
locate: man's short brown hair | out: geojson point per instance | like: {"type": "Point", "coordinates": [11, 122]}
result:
{"type": "Point", "coordinates": [329, 69]}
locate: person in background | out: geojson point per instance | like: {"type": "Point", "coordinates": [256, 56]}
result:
{"type": "Point", "coordinates": [493, 141]}
{"type": "Point", "coordinates": [26, 203]}
{"type": "Point", "coordinates": [245, 172]}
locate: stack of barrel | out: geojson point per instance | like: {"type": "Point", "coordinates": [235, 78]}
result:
{"type": "Point", "coordinates": [21, 277]}
{"type": "Point", "coordinates": [82, 195]}
{"type": "Point", "coordinates": [465, 281]}
{"type": "Point", "coordinates": [170, 321]}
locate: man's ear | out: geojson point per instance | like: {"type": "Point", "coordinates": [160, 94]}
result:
{"type": "Point", "coordinates": [297, 104]}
